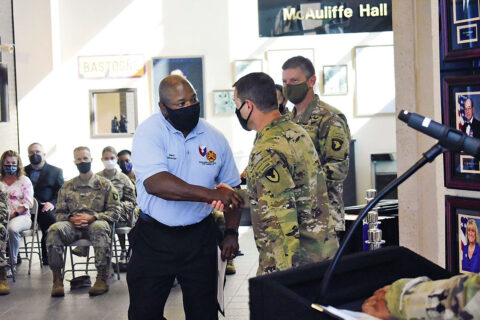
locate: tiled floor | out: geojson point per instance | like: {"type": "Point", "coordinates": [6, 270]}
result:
{"type": "Point", "coordinates": [30, 295]}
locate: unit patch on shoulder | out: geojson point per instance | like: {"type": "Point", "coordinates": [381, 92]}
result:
{"type": "Point", "coordinates": [211, 156]}
{"type": "Point", "coordinates": [115, 196]}
{"type": "Point", "coordinates": [337, 144]}
{"type": "Point", "coordinates": [272, 175]}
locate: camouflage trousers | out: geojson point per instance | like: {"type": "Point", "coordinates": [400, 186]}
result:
{"type": "Point", "coordinates": [64, 233]}
{"type": "Point", "coordinates": [3, 246]}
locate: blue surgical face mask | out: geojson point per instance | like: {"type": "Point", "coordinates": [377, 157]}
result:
{"type": "Point", "coordinates": [10, 169]}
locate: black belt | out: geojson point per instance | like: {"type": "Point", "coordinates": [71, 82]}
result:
{"type": "Point", "coordinates": [149, 220]}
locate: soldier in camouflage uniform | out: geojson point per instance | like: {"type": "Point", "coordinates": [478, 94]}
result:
{"type": "Point", "coordinates": [326, 126]}
{"type": "Point", "coordinates": [86, 206]}
{"type": "Point", "coordinates": [126, 192]}
{"type": "Point", "coordinates": [288, 194]}
{"type": "Point", "coordinates": [421, 298]}
{"type": "Point", "coordinates": [4, 289]}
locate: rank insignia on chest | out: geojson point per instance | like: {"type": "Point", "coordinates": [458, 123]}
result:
{"type": "Point", "coordinates": [202, 150]}
{"type": "Point", "coordinates": [272, 175]}
{"type": "Point", "coordinates": [211, 156]}
{"type": "Point", "coordinates": [337, 144]}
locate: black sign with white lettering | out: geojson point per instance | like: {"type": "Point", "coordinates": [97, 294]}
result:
{"type": "Point", "coordinates": [278, 18]}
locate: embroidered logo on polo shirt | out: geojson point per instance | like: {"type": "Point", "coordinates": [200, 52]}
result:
{"type": "Point", "coordinates": [202, 150]}
{"type": "Point", "coordinates": [211, 156]}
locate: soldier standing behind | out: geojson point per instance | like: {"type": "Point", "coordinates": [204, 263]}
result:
{"type": "Point", "coordinates": [4, 289]}
{"type": "Point", "coordinates": [326, 126]}
{"type": "Point", "coordinates": [86, 206]}
{"type": "Point", "coordinates": [288, 196]}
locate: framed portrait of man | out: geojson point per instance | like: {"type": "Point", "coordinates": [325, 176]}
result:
{"type": "Point", "coordinates": [461, 110]}
{"type": "Point", "coordinates": [462, 223]}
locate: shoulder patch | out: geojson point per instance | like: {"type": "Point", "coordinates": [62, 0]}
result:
{"type": "Point", "coordinates": [272, 175]}
{"type": "Point", "coordinates": [337, 144]}
{"type": "Point", "coordinates": [115, 196]}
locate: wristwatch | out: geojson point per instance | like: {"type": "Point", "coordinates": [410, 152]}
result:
{"type": "Point", "coordinates": [230, 231]}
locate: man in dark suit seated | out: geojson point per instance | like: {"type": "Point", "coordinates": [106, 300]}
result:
{"type": "Point", "coordinates": [472, 126]}
{"type": "Point", "coordinates": [46, 180]}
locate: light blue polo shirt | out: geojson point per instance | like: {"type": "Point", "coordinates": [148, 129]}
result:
{"type": "Point", "coordinates": [203, 158]}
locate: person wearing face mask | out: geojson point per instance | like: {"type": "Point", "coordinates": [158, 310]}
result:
{"type": "Point", "coordinates": [126, 165]}
{"type": "Point", "coordinates": [282, 102]}
{"type": "Point", "coordinates": [289, 204]}
{"type": "Point", "coordinates": [47, 181]}
{"type": "Point", "coordinates": [126, 192]}
{"type": "Point", "coordinates": [20, 194]}
{"type": "Point", "coordinates": [326, 126]}
{"type": "Point", "coordinates": [178, 160]}
{"type": "Point", "coordinates": [86, 207]}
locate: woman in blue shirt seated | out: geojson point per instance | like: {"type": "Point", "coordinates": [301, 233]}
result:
{"type": "Point", "coordinates": [471, 252]}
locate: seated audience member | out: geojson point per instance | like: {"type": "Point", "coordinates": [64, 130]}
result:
{"type": "Point", "coordinates": [4, 289]}
{"type": "Point", "coordinates": [126, 193]}
{"type": "Point", "coordinates": [86, 206]}
{"type": "Point", "coordinates": [46, 180]}
{"type": "Point", "coordinates": [126, 165]}
{"type": "Point", "coordinates": [471, 252]}
{"type": "Point", "coordinates": [20, 194]}
{"type": "Point", "coordinates": [421, 298]}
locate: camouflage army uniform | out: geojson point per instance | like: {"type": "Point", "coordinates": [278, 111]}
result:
{"type": "Point", "coordinates": [3, 225]}
{"type": "Point", "coordinates": [97, 197]}
{"type": "Point", "coordinates": [288, 199]}
{"type": "Point", "coordinates": [329, 131]}
{"type": "Point", "coordinates": [126, 193]}
{"type": "Point", "coordinates": [420, 298]}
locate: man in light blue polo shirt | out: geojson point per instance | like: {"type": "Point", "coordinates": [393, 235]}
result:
{"type": "Point", "coordinates": [178, 160]}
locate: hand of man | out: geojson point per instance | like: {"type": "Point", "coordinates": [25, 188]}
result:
{"type": "Point", "coordinates": [82, 220]}
{"type": "Point", "coordinates": [227, 196]}
{"type": "Point", "coordinates": [47, 206]}
{"type": "Point", "coordinates": [229, 246]}
{"type": "Point", "coordinates": [376, 305]}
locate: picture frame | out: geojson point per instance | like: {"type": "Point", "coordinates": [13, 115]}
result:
{"type": "Point", "coordinates": [459, 27]}
{"type": "Point", "coordinates": [461, 215]}
{"type": "Point", "coordinates": [223, 103]}
{"type": "Point", "coordinates": [244, 67]}
{"type": "Point", "coordinates": [374, 77]}
{"type": "Point", "coordinates": [335, 81]}
{"type": "Point", "coordinates": [189, 67]}
{"type": "Point", "coordinates": [461, 171]}
{"type": "Point", "coordinates": [113, 113]}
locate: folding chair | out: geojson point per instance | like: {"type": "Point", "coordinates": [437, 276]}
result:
{"type": "Point", "coordinates": [87, 243]}
{"type": "Point", "coordinates": [35, 244]}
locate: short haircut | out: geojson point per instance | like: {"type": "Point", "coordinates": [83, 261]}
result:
{"type": "Point", "coordinates": [300, 62]}
{"type": "Point", "coordinates": [80, 148]}
{"type": "Point", "coordinates": [12, 153]}
{"type": "Point", "coordinates": [33, 144]}
{"type": "Point", "coordinates": [125, 151]}
{"type": "Point", "coordinates": [109, 149]}
{"type": "Point", "coordinates": [169, 82]}
{"type": "Point", "coordinates": [471, 101]}
{"type": "Point", "coordinates": [472, 225]}
{"type": "Point", "coordinates": [259, 88]}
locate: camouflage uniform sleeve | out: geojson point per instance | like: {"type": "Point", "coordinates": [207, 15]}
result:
{"type": "Point", "coordinates": [3, 206]}
{"type": "Point", "coordinates": [335, 154]}
{"type": "Point", "coordinates": [278, 235]}
{"type": "Point", "coordinates": [112, 207]}
{"type": "Point", "coordinates": [62, 212]}
{"type": "Point", "coordinates": [420, 298]}
{"type": "Point", "coordinates": [128, 201]}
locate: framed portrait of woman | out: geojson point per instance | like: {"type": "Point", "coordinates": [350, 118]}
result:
{"type": "Point", "coordinates": [461, 110]}
{"type": "Point", "coordinates": [462, 222]}
{"type": "Point", "coordinates": [460, 22]}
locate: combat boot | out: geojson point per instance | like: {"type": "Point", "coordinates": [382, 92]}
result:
{"type": "Point", "coordinates": [57, 289]}
{"type": "Point", "coordinates": [101, 284]}
{"type": "Point", "coordinates": [4, 289]}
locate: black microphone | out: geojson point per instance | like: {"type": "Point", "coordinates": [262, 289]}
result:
{"type": "Point", "coordinates": [449, 138]}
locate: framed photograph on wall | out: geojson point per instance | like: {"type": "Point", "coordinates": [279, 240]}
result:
{"type": "Point", "coordinates": [244, 67]}
{"type": "Point", "coordinates": [374, 81]}
{"type": "Point", "coordinates": [113, 113]}
{"type": "Point", "coordinates": [188, 67]}
{"type": "Point", "coordinates": [223, 102]}
{"type": "Point", "coordinates": [460, 27]}
{"type": "Point", "coordinates": [462, 222]}
{"type": "Point", "coordinates": [335, 80]}
{"type": "Point", "coordinates": [461, 110]}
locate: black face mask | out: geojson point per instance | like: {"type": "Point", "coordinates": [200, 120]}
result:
{"type": "Point", "coordinates": [35, 158]}
{"type": "Point", "coordinates": [243, 122]}
{"type": "Point", "coordinates": [84, 167]}
{"type": "Point", "coordinates": [184, 119]}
